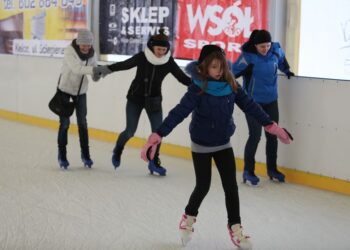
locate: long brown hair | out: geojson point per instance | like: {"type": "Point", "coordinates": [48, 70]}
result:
{"type": "Point", "coordinates": [226, 73]}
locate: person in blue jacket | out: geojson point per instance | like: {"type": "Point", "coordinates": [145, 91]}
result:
{"type": "Point", "coordinates": [210, 99]}
{"type": "Point", "coordinates": [258, 64]}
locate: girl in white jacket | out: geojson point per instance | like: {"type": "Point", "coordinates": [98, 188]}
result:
{"type": "Point", "coordinates": [79, 61]}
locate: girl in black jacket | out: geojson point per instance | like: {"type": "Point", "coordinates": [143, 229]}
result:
{"type": "Point", "coordinates": [153, 65]}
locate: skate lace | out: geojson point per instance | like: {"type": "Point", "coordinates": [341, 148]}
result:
{"type": "Point", "coordinates": [237, 234]}
{"type": "Point", "coordinates": [158, 163]}
{"type": "Point", "coordinates": [187, 222]}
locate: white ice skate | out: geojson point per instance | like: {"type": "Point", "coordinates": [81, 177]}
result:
{"type": "Point", "coordinates": [186, 229]}
{"type": "Point", "coordinates": [237, 237]}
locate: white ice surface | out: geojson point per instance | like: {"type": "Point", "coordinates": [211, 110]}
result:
{"type": "Point", "coordinates": [43, 207]}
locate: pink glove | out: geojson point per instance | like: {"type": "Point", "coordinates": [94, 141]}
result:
{"type": "Point", "coordinates": [149, 149]}
{"type": "Point", "coordinates": [282, 134]}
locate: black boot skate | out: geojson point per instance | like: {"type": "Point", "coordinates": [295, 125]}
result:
{"type": "Point", "coordinates": [250, 178]}
{"type": "Point", "coordinates": [276, 175]}
{"type": "Point", "coordinates": [85, 157]}
{"type": "Point", "coordinates": [154, 166]}
{"type": "Point", "coordinates": [62, 158]}
{"type": "Point", "coordinates": [117, 152]}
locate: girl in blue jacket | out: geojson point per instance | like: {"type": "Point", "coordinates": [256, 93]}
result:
{"type": "Point", "coordinates": [258, 64]}
{"type": "Point", "coordinates": [211, 100]}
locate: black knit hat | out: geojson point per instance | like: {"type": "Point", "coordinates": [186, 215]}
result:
{"type": "Point", "coordinates": [160, 39]}
{"type": "Point", "coordinates": [261, 36]}
{"type": "Point", "coordinates": [207, 50]}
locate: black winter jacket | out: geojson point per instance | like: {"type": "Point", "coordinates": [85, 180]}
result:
{"type": "Point", "coordinates": [149, 77]}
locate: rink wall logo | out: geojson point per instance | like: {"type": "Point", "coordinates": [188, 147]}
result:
{"type": "Point", "coordinates": [224, 23]}
{"type": "Point", "coordinates": [136, 21]}
{"type": "Point", "coordinates": [232, 20]}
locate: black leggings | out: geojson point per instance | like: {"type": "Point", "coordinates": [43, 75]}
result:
{"type": "Point", "coordinates": [225, 163]}
{"type": "Point", "coordinates": [254, 137]}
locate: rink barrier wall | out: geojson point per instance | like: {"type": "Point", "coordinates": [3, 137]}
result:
{"type": "Point", "coordinates": [292, 175]}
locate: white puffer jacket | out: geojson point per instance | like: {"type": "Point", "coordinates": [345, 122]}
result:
{"type": "Point", "coordinates": [72, 71]}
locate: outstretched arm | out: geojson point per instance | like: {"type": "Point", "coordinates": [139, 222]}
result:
{"type": "Point", "coordinates": [179, 74]}
{"type": "Point", "coordinates": [103, 70]}
{"type": "Point", "coordinates": [283, 64]}
{"type": "Point", "coordinates": [127, 64]}
{"type": "Point", "coordinates": [241, 66]}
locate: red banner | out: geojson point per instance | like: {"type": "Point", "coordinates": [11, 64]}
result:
{"type": "Point", "coordinates": [224, 23]}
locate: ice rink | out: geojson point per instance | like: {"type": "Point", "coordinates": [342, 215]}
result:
{"type": "Point", "coordinates": [43, 207]}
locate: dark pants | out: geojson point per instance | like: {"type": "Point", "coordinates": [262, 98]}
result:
{"type": "Point", "coordinates": [81, 112]}
{"type": "Point", "coordinates": [254, 137]}
{"type": "Point", "coordinates": [133, 113]}
{"type": "Point", "coordinates": [226, 166]}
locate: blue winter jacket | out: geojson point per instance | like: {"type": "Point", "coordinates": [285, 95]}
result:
{"type": "Point", "coordinates": [212, 122]}
{"type": "Point", "coordinates": [260, 72]}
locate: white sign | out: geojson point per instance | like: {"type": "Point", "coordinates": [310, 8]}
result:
{"type": "Point", "coordinates": [49, 48]}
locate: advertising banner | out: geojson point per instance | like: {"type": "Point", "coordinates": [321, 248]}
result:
{"type": "Point", "coordinates": [224, 23]}
{"type": "Point", "coordinates": [40, 27]}
{"type": "Point", "coordinates": [125, 26]}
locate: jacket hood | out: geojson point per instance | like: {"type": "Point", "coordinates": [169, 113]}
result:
{"type": "Point", "coordinates": [82, 56]}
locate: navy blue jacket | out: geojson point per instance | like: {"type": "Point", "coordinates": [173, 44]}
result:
{"type": "Point", "coordinates": [212, 122]}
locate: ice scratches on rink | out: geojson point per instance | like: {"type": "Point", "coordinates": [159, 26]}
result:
{"type": "Point", "coordinates": [43, 207]}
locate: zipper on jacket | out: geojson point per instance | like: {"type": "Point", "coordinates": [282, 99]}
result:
{"type": "Point", "coordinates": [135, 89]}
{"type": "Point", "coordinates": [150, 82]}
{"type": "Point", "coordinates": [252, 88]}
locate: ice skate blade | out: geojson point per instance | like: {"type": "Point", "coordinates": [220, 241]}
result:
{"type": "Point", "coordinates": [63, 166]}
{"type": "Point", "coordinates": [115, 163]}
{"type": "Point", "coordinates": [247, 246]}
{"type": "Point", "coordinates": [251, 184]}
{"type": "Point", "coordinates": [156, 173]}
{"type": "Point", "coordinates": [274, 179]}
{"type": "Point", "coordinates": [185, 240]}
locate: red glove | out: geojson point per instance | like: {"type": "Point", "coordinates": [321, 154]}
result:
{"type": "Point", "coordinates": [282, 134]}
{"type": "Point", "coordinates": [149, 149]}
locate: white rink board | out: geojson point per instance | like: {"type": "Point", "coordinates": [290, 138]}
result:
{"type": "Point", "coordinates": [315, 111]}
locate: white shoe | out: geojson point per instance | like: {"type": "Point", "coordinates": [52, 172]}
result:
{"type": "Point", "coordinates": [237, 237]}
{"type": "Point", "coordinates": [186, 229]}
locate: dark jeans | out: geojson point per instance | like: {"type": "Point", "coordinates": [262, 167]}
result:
{"type": "Point", "coordinates": [81, 112]}
{"type": "Point", "coordinates": [226, 166]}
{"type": "Point", "coordinates": [133, 113]}
{"type": "Point", "coordinates": [254, 138]}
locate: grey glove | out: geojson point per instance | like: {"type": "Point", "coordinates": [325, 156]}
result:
{"type": "Point", "coordinates": [101, 70]}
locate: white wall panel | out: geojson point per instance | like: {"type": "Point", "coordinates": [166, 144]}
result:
{"type": "Point", "coordinates": [315, 111]}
